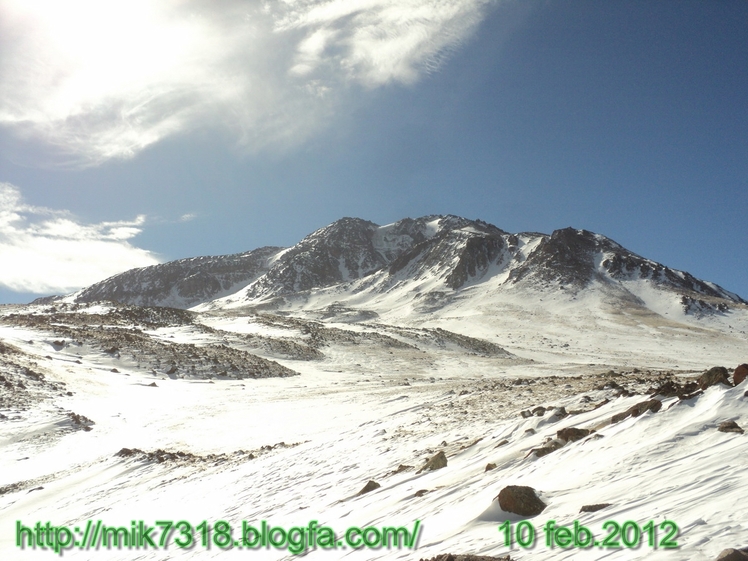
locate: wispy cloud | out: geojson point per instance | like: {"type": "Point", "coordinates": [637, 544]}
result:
{"type": "Point", "coordinates": [49, 251]}
{"type": "Point", "coordinates": [101, 80]}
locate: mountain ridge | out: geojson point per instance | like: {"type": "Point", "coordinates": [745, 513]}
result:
{"type": "Point", "coordinates": [430, 255]}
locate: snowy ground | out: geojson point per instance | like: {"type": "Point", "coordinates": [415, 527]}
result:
{"type": "Point", "coordinates": [368, 407]}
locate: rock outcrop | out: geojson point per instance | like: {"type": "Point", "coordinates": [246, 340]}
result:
{"type": "Point", "coordinates": [713, 376]}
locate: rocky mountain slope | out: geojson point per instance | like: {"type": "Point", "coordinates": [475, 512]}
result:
{"type": "Point", "coordinates": [432, 258]}
{"type": "Point", "coordinates": [182, 283]}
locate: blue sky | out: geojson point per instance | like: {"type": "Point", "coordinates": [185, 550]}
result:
{"type": "Point", "coordinates": [144, 131]}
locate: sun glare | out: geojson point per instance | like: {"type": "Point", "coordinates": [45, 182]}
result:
{"type": "Point", "coordinates": [100, 49]}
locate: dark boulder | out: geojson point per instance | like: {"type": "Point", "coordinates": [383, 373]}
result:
{"type": "Point", "coordinates": [572, 434]}
{"type": "Point", "coordinates": [740, 374]}
{"type": "Point", "coordinates": [730, 426]}
{"type": "Point", "coordinates": [520, 499]}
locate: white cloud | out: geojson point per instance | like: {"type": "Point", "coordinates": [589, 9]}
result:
{"type": "Point", "coordinates": [102, 80]}
{"type": "Point", "coordinates": [48, 251]}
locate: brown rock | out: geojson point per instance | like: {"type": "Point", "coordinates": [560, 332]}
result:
{"type": "Point", "coordinates": [370, 486]}
{"type": "Point", "coordinates": [740, 374]}
{"type": "Point", "coordinates": [603, 402]}
{"type": "Point", "coordinates": [713, 376]}
{"type": "Point", "coordinates": [401, 468]}
{"type": "Point", "coordinates": [490, 466]}
{"type": "Point", "coordinates": [671, 388]}
{"type": "Point", "coordinates": [547, 448]}
{"type": "Point", "coordinates": [520, 499]}
{"type": "Point", "coordinates": [594, 508]}
{"type": "Point", "coordinates": [733, 555]}
{"type": "Point", "coordinates": [437, 461]}
{"type": "Point", "coordinates": [560, 412]}
{"type": "Point", "coordinates": [572, 434]}
{"type": "Point", "coordinates": [653, 405]}
{"type": "Point", "coordinates": [421, 492]}
{"type": "Point", "coordinates": [730, 426]}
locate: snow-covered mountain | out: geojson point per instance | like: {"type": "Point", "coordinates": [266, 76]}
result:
{"type": "Point", "coordinates": [433, 258]}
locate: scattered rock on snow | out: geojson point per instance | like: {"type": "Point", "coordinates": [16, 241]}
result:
{"type": "Point", "coordinates": [520, 499]}
{"type": "Point", "coordinates": [594, 508]}
{"type": "Point", "coordinates": [714, 376]}
{"type": "Point", "coordinates": [572, 434]}
{"type": "Point", "coordinates": [653, 405]}
{"type": "Point", "coordinates": [671, 388]}
{"type": "Point", "coordinates": [490, 466]}
{"type": "Point", "coordinates": [559, 413]}
{"type": "Point", "coordinates": [370, 486]}
{"type": "Point", "coordinates": [437, 461]}
{"type": "Point", "coordinates": [547, 448]}
{"type": "Point", "coordinates": [609, 385]}
{"type": "Point", "coordinates": [473, 443]}
{"type": "Point", "coordinates": [730, 426]}
{"type": "Point", "coordinates": [80, 421]}
{"type": "Point", "coordinates": [603, 402]}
